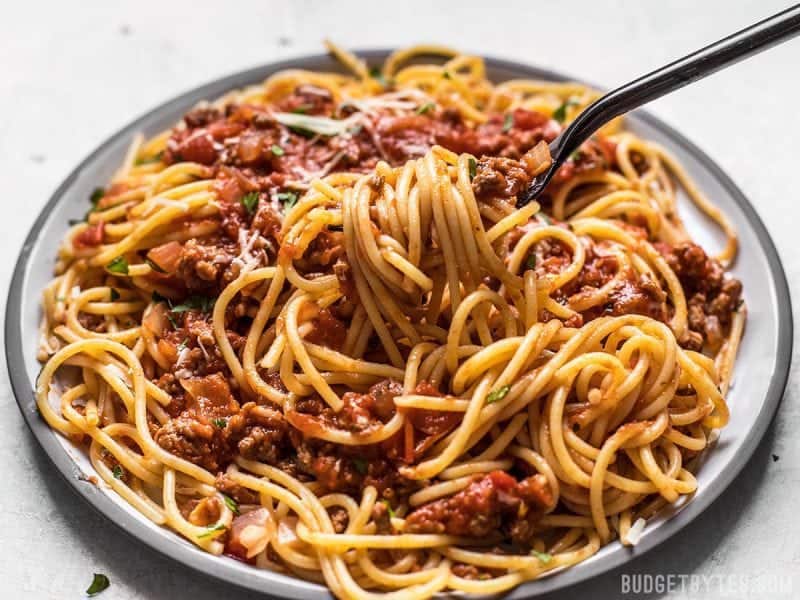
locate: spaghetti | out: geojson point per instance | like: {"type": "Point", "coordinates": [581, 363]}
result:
{"type": "Point", "coordinates": [309, 329]}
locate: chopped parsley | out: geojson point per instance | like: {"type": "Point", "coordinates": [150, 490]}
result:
{"type": "Point", "coordinates": [231, 504]}
{"type": "Point", "coordinates": [576, 156]}
{"type": "Point", "coordinates": [118, 472]}
{"type": "Point", "coordinates": [361, 465]}
{"type": "Point", "coordinates": [182, 345]}
{"type": "Point", "coordinates": [302, 109]}
{"type": "Point", "coordinates": [289, 199]}
{"type": "Point", "coordinates": [531, 262]}
{"type": "Point", "coordinates": [118, 265]}
{"type": "Point", "coordinates": [447, 75]}
{"type": "Point", "coordinates": [220, 423]}
{"type": "Point", "coordinates": [508, 122]}
{"type": "Point", "coordinates": [201, 303]}
{"type": "Point", "coordinates": [154, 266]}
{"type": "Point", "coordinates": [428, 106]}
{"type": "Point", "coordinates": [560, 114]}
{"type": "Point", "coordinates": [544, 557]}
{"type": "Point", "coordinates": [212, 530]}
{"type": "Point", "coordinates": [389, 508]}
{"type": "Point", "coordinates": [250, 201]}
{"type": "Point", "coordinates": [114, 295]}
{"type": "Point", "coordinates": [473, 168]}
{"type": "Point", "coordinates": [97, 195]}
{"type": "Point", "coordinates": [277, 150]}
{"type": "Point", "coordinates": [150, 159]}
{"type": "Point", "coordinates": [99, 583]}
{"type": "Point", "coordinates": [377, 75]}
{"type": "Point", "coordinates": [498, 394]}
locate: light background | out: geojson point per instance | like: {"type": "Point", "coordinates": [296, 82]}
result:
{"type": "Point", "coordinates": [71, 74]}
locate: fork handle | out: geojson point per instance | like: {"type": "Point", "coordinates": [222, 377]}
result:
{"type": "Point", "coordinates": [675, 75]}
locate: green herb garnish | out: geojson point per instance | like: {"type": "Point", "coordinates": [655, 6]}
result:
{"type": "Point", "coordinates": [202, 303]}
{"type": "Point", "coordinates": [114, 295]}
{"type": "Point", "coordinates": [361, 465]}
{"type": "Point", "coordinates": [277, 150]}
{"type": "Point", "coordinates": [508, 122]}
{"type": "Point", "coordinates": [560, 114]}
{"type": "Point", "coordinates": [250, 202]}
{"type": "Point", "coordinates": [150, 159]}
{"type": "Point", "coordinates": [99, 583]}
{"type": "Point", "coordinates": [220, 423]}
{"type": "Point", "coordinates": [447, 75]}
{"type": "Point", "coordinates": [182, 345]}
{"type": "Point", "coordinates": [289, 199]}
{"type": "Point", "coordinates": [473, 168]}
{"type": "Point", "coordinates": [576, 156]}
{"type": "Point", "coordinates": [425, 108]}
{"type": "Point", "coordinates": [97, 195]}
{"type": "Point", "coordinates": [498, 394]}
{"type": "Point", "coordinates": [302, 109]}
{"type": "Point", "coordinates": [212, 530]}
{"type": "Point", "coordinates": [377, 75]}
{"type": "Point", "coordinates": [231, 504]}
{"type": "Point", "coordinates": [544, 557]}
{"type": "Point", "coordinates": [531, 262]}
{"type": "Point", "coordinates": [118, 472]}
{"type": "Point", "coordinates": [389, 508]}
{"type": "Point", "coordinates": [118, 265]}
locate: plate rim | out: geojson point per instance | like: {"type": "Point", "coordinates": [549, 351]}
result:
{"type": "Point", "coordinates": [170, 545]}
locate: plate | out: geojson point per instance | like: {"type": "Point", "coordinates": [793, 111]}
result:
{"type": "Point", "coordinates": [755, 395]}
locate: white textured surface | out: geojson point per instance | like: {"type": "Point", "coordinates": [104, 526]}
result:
{"type": "Point", "coordinates": [73, 74]}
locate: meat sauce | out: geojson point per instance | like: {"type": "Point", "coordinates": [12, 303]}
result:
{"type": "Point", "coordinates": [251, 155]}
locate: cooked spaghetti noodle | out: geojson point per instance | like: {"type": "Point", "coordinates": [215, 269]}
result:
{"type": "Point", "coordinates": [308, 328]}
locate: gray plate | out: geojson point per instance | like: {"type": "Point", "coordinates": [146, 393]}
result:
{"type": "Point", "coordinates": [754, 398]}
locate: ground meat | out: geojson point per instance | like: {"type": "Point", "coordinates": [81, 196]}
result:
{"type": "Point", "coordinates": [489, 504]}
{"type": "Point", "coordinates": [381, 518]}
{"type": "Point", "coordinates": [327, 330]}
{"type": "Point", "coordinates": [260, 433]}
{"type": "Point", "coordinates": [240, 494]}
{"type": "Point", "coordinates": [308, 99]}
{"type": "Point", "coordinates": [712, 295]}
{"type": "Point", "coordinates": [205, 266]}
{"type": "Point", "coordinates": [361, 411]}
{"type": "Point", "coordinates": [339, 518]}
{"type": "Point", "coordinates": [499, 177]}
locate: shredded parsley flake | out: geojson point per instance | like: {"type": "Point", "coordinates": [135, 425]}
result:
{"type": "Point", "coordinates": [544, 557]}
{"type": "Point", "coordinates": [560, 114]}
{"type": "Point", "coordinates": [531, 262]}
{"type": "Point", "coordinates": [220, 423]}
{"type": "Point", "coordinates": [473, 168]}
{"type": "Point", "coordinates": [498, 394]}
{"type": "Point", "coordinates": [390, 509]}
{"type": "Point", "coordinates": [250, 201]}
{"type": "Point", "coordinates": [231, 504]}
{"type": "Point", "coordinates": [277, 150]}
{"type": "Point", "coordinates": [182, 345]}
{"type": "Point", "coordinates": [118, 472]}
{"type": "Point", "coordinates": [289, 199]}
{"type": "Point", "coordinates": [97, 195]}
{"type": "Point", "coordinates": [212, 531]}
{"type": "Point", "coordinates": [428, 106]}
{"type": "Point", "coordinates": [118, 265]}
{"type": "Point", "coordinates": [201, 303]}
{"type": "Point", "coordinates": [508, 122]}
{"type": "Point", "coordinates": [99, 583]}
